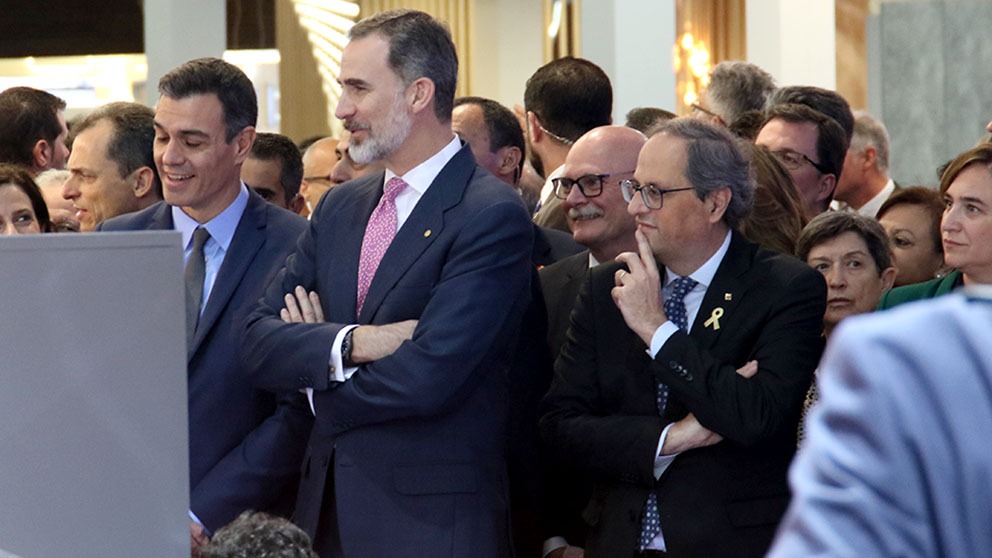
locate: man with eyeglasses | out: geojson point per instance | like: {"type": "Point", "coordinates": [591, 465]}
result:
{"type": "Point", "coordinates": [811, 146]}
{"type": "Point", "coordinates": [589, 190]}
{"type": "Point", "coordinates": [318, 160]}
{"type": "Point", "coordinates": [688, 455]}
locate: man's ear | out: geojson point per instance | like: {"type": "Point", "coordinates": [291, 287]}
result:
{"type": "Point", "coordinates": [243, 142]}
{"type": "Point", "coordinates": [717, 202]}
{"type": "Point", "coordinates": [871, 158]}
{"type": "Point", "coordinates": [534, 127]}
{"type": "Point", "coordinates": [509, 159]}
{"type": "Point", "coordinates": [420, 94]}
{"type": "Point", "coordinates": [827, 184]}
{"type": "Point", "coordinates": [296, 204]}
{"type": "Point", "coordinates": [143, 182]}
{"type": "Point", "coordinates": [42, 154]}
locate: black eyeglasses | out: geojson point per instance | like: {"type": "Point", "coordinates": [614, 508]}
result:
{"type": "Point", "coordinates": [652, 195]}
{"type": "Point", "coordinates": [792, 160]}
{"type": "Point", "coordinates": [698, 108]}
{"type": "Point", "coordinates": [591, 185]}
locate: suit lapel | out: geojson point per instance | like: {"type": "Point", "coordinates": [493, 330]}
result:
{"type": "Point", "coordinates": [723, 296]}
{"type": "Point", "coordinates": [248, 239]}
{"type": "Point", "coordinates": [424, 225]}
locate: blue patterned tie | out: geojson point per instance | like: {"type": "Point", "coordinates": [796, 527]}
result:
{"type": "Point", "coordinates": [675, 309]}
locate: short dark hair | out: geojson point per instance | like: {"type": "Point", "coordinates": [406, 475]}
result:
{"type": "Point", "coordinates": [643, 119]}
{"type": "Point", "coordinates": [26, 116]}
{"type": "Point", "coordinates": [256, 534]}
{"type": "Point", "coordinates": [825, 101]}
{"type": "Point", "coordinates": [715, 161]}
{"type": "Point", "coordinates": [17, 176]}
{"type": "Point", "coordinates": [831, 224]}
{"type": "Point", "coordinates": [830, 145]}
{"type": "Point", "coordinates": [419, 46]}
{"type": "Point", "coordinates": [214, 76]}
{"type": "Point", "coordinates": [501, 125]}
{"type": "Point", "coordinates": [277, 147]}
{"type": "Point", "coordinates": [571, 96]}
{"type": "Point", "coordinates": [132, 145]}
{"type": "Point", "coordinates": [927, 198]}
{"type": "Point", "coordinates": [736, 87]}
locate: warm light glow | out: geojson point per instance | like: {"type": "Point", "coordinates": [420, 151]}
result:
{"type": "Point", "coordinates": [555, 24]}
{"type": "Point", "coordinates": [691, 61]}
{"type": "Point", "coordinates": [327, 23]}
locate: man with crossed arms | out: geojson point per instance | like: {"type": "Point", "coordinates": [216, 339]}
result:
{"type": "Point", "coordinates": [688, 456]}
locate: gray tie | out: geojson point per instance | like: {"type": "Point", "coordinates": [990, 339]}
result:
{"type": "Point", "coordinates": [195, 272]}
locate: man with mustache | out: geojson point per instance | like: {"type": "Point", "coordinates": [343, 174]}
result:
{"type": "Point", "coordinates": [423, 275]}
{"type": "Point", "coordinates": [589, 190]}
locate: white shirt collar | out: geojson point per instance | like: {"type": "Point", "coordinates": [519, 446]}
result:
{"type": "Point", "coordinates": [705, 273]}
{"type": "Point", "coordinates": [421, 176]}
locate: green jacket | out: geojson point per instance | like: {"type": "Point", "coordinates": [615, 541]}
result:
{"type": "Point", "coordinates": [920, 291]}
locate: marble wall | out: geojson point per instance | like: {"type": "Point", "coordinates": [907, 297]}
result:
{"type": "Point", "coordinates": [933, 86]}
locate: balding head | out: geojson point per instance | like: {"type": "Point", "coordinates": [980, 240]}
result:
{"type": "Point", "coordinates": [318, 160]}
{"type": "Point", "coordinates": [600, 220]}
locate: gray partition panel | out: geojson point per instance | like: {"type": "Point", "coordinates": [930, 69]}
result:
{"type": "Point", "coordinates": [93, 427]}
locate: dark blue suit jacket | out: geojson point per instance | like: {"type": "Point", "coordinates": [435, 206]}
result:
{"type": "Point", "coordinates": [415, 442]}
{"type": "Point", "coordinates": [245, 444]}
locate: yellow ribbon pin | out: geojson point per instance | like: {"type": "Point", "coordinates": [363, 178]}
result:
{"type": "Point", "coordinates": [714, 319]}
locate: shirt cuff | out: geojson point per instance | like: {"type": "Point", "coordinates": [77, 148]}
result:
{"type": "Point", "coordinates": [200, 523]}
{"type": "Point", "coordinates": [552, 544]}
{"type": "Point", "coordinates": [338, 372]}
{"type": "Point", "coordinates": [660, 336]}
{"type": "Point", "coordinates": [661, 462]}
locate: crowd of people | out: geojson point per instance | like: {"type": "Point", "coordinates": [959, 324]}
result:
{"type": "Point", "coordinates": [463, 329]}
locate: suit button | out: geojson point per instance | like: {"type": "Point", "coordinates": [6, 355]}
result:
{"type": "Point", "coordinates": [673, 365]}
{"type": "Point", "coordinates": [688, 377]}
{"type": "Point", "coordinates": [305, 381]}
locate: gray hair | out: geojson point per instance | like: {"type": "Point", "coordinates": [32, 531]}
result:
{"type": "Point", "coordinates": [714, 161]}
{"type": "Point", "coordinates": [870, 132]}
{"type": "Point", "coordinates": [419, 46]}
{"type": "Point", "coordinates": [736, 87]}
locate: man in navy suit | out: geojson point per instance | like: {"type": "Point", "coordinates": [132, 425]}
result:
{"type": "Point", "coordinates": [246, 444]}
{"type": "Point", "coordinates": [408, 375]}
{"type": "Point", "coordinates": [688, 456]}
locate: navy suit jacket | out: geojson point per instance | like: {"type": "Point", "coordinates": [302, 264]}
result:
{"type": "Point", "coordinates": [414, 443]}
{"type": "Point", "coordinates": [245, 444]}
{"type": "Point", "coordinates": [721, 500]}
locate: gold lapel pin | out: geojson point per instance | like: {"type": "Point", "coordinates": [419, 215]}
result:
{"type": "Point", "coordinates": [427, 233]}
{"type": "Point", "coordinates": [714, 320]}
{"type": "Point", "coordinates": [728, 296]}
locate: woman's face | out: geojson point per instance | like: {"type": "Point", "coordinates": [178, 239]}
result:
{"type": "Point", "coordinates": [915, 255]}
{"type": "Point", "coordinates": [966, 229]}
{"type": "Point", "coordinates": [16, 212]}
{"type": "Point", "coordinates": [854, 283]}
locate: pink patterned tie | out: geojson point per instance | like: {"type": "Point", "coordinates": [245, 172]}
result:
{"type": "Point", "coordinates": [378, 234]}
